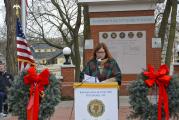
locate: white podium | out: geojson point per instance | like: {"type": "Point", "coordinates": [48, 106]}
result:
{"type": "Point", "coordinates": [96, 101]}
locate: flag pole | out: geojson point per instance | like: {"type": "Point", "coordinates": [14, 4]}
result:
{"type": "Point", "coordinates": [23, 15]}
{"type": "Point", "coordinates": [17, 8]}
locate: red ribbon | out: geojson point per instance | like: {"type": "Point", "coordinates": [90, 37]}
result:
{"type": "Point", "coordinates": [37, 83]}
{"type": "Point", "coordinates": [162, 79]}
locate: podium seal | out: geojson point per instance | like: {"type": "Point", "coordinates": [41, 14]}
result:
{"type": "Point", "coordinates": [96, 108]}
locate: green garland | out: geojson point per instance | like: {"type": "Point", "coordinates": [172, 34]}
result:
{"type": "Point", "coordinates": [19, 95]}
{"type": "Point", "coordinates": [141, 106]}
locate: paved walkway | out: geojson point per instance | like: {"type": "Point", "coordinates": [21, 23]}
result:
{"type": "Point", "coordinates": [65, 110]}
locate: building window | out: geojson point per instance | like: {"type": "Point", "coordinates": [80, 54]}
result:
{"type": "Point", "coordinates": [54, 49]}
{"type": "Point", "coordinates": [42, 50]}
{"type": "Point", "coordinates": [46, 50]}
{"type": "Point", "coordinates": [37, 50]}
{"type": "Point", "coordinates": [52, 61]}
{"type": "Point", "coordinates": [43, 62]}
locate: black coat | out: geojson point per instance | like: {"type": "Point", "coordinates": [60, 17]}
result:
{"type": "Point", "coordinates": [5, 81]}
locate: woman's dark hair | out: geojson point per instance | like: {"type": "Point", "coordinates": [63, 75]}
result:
{"type": "Point", "coordinates": [99, 46]}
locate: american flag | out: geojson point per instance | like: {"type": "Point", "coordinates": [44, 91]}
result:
{"type": "Point", "coordinates": [24, 54]}
{"type": "Point", "coordinates": [26, 4]}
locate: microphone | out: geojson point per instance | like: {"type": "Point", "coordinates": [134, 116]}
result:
{"type": "Point", "coordinates": [99, 62]}
{"type": "Point", "coordinates": [97, 66]}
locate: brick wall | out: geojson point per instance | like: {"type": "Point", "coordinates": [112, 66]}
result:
{"type": "Point", "coordinates": [156, 58]}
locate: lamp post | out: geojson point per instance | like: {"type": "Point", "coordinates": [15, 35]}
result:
{"type": "Point", "coordinates": [67, 52]}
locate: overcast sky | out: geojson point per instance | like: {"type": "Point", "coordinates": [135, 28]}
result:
{"type": "Point", "coordinates": [2, 13]}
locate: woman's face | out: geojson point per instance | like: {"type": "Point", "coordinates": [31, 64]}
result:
{"type": "Point", "coordinates": [2, 67]}
{"type": "Point", "coordinates": [100, 54]}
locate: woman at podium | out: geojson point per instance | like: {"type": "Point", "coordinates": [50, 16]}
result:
{"type": "Point", "coordinates": [102, 67]}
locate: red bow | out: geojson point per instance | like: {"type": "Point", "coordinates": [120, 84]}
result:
{"type": "Point", "coordinates": [162, 79]}
{"type": "Point", "coordinates": [37, 83]}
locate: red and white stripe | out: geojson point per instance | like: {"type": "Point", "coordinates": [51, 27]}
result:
{"type": "Point", "coordinates": [24, 54]}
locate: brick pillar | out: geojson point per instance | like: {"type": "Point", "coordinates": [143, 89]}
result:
{"type": "Point", "coordinates": [68, 74]}
{"type": "Point", "coordinates": [156, 58]}
{"type": "Point", "coordinates": [176, 68]}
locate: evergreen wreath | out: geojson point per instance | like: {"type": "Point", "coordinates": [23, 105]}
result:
{"type": "Point", "coordinates": [19, 95]}
{"type": "Point", "coordinates": [141, 105]}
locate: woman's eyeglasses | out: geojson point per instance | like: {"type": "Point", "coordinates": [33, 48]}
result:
{"type": "Point", "coordinates": [100, 52]}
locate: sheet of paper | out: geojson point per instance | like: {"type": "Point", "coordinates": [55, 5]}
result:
{"type": "Point", "coordinates": [90, 79]}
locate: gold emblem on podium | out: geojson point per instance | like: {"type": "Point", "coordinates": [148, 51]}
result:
{"type": "Point", "coordinates": [96, 108]}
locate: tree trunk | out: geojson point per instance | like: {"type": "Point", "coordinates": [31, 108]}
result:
{"type": "Point", "coordinates": [86, 31]}
{"type": "Point", "coordinates": [164, 23]}
{"type": "Point", "coordinates": [77, 58]}
{"type": "Point", "coordinates": [11, 57]}
{"type": "Point", "coordinates": [172, 33]}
